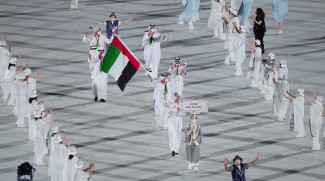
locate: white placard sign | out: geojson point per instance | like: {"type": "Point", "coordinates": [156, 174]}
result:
{"type": "Point", "coordinates": [195, 106]}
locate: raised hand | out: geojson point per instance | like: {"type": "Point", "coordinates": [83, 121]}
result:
{"type": "Point", "coordinates": [226, 161]}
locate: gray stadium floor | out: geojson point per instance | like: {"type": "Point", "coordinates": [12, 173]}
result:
{"type": "Point", "coordinates": [120, 136]}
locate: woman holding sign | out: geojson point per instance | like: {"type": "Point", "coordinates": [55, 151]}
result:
{"type": "Point", "coordinates": [193, 139]}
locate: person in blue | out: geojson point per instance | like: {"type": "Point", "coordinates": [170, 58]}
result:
{"type": "Point", "coordinates": [112, 24]}
{"type": "Point", "coordinates": [280, 9]}
{"type": "Point", "coordinates": [244, 11]}
{"type": "Point", "coordinates": [238, 168]}
{"type": "Point", "coordinates": [189, 13]}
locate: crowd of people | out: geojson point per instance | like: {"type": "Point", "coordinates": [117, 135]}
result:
{"type": "Point", "coordinates": [229, 23]}
{"type": "Point", "coordinates": [18, 85]}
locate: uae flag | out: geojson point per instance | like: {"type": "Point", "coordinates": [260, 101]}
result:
{"type": "Point", "coordinates": [120, 62]}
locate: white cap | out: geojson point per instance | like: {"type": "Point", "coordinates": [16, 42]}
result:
{"type": "Point", "coordinates": [283, 63]}
{"type": "Point", "coordinates": [79, 163]}
{"type": "Point", "coordinates": [301, 92]}
{"type": "Point", "coordinates": [13, 60]}
{"type": "Point", "coordinates": [258, 42]}
{"type": "Point", "coordinates": [272, 55]}
{"type": "Point", "coordinates": [319, 99]}
{"type": "Point", "coordinates": [33, 93]}
{"type": "Point", "coordinates": [27, 71]}
{"type": "Point", "coordinates": [233, 11]}
{"type": "Point", "coordinates": [3, 43]}
{"type": "Point", "coordinates": [55, 129]}
{"type": "Point", "coordinates": [57, 139]}
{"type": "Point", "coordinates": [20, 75]}
{"type": "Point", "coordinates": [72, 150]}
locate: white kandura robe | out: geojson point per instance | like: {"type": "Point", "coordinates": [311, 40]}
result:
{"type": "Point", "coordinates": [31, 123]}
{"type": "Point", "coordinates": [298, 112]}
{"type": "Point", "coordinates": [59, 156]}
{"type": "Point", "coordinates": [41, 131]}
{"type": "Point", "coordinates": [177, 85]}
{"type": "Point", "coordinates": [20, 106]}
{"type": "Point", "coordinates": [152, 52]}
{"type": "Point", "coordinates": [81, 175]}
{"type": "Point", "coordinates": [5, 55]}
{"type": "Point", "coordinates": [283, 71]}
{"type": "Point", "coordinates": [99, 78]}
{"type": "Point", "coordinates": [215, 21]}
{"type": "Point", "coordinates": [239, 47]}
{"type": "Point", "coordinates": [280, 102]}
{"type": "Point", "coordinates": [257, 66]}
{"type": "Point", "coordinates": [70, 169]}
{"type": "Point", "coordinates": [51, 149]}
{"type": "Point", "coordinates": [232, 39]}
{"type": "Point", "coordinates": [8, 87]}
{"type": "Point", "coordinates": [315, 121]}
{"type": "Point", "coordinates": [100, 85]}
{"type": "Point", "coordinates": [160, 103]}
{"type": "Point", "coordinates": [175, 127]}
{"type": "Point", "coordinates": [269, 85]}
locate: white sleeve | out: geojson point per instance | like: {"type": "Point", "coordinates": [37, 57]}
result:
{"type": "Point", "coordinates": [106, 40]}
{"type": "Point", "coordinates": [154, 83]}
{"type": "Point", "coordinates": [86, 39]}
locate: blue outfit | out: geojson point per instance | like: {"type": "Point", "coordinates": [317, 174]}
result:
{"type": "Point", "coordinates": [280, 9]}
{"type": "Point", "coordinates": [238, 174]}
{"type": "Point", "coordinates": [110, 26]}
{"type": "Point", "coordinates": [191, 8]}
{"type": "Point", "coordinates": [244, 11]}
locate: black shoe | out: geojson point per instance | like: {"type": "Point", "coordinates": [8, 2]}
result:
{"type": "Point", "coordinates": [95, 99]}
{"type": "Point", "coordinates": [176, 153]}
{"type": "Point", "coordinates": [102, 100]}
{"type": "Point", "coordinates": [173, 153]}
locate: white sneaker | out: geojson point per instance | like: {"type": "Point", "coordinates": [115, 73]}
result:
{"type": "Point", "coordinates": [314, 149]}
{"type": "Point", "coordinates": [280, 32]}
{"type": "Point", "coordinates": [227, 60]}
{"type": "Point", "coordinates": [180, 23]}
{"type": "Point", "coordinates": [40, 164]}
{"type": "Point", "coordinates": [238, 74]}
{"type": "Point", "coordinates": [21, 126]}
{"type": "Point", "coordinates": [189, 167]}
{"type": "Point", "coordinates": [196, 169]}
{"type": "Point", "coordinates": [300, 135]}
{"type": "Point", "coordinates": [190, 28]}
{"type": "Point", "coordinates": [253, 85]}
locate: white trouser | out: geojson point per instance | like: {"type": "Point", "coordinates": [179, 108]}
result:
{"type": "Point", "coordinates": [269, 89]}
{"type": "Point", "coordinates": [239, 70]}
{"type": "Point", "coordinates": [39, 149]}
{"type": "Point", "coordinates": [316, 144]}
{"type": "Point", "coordinates": [31, 129]}
{"type": "Point", "coordinates": [190, 25]}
